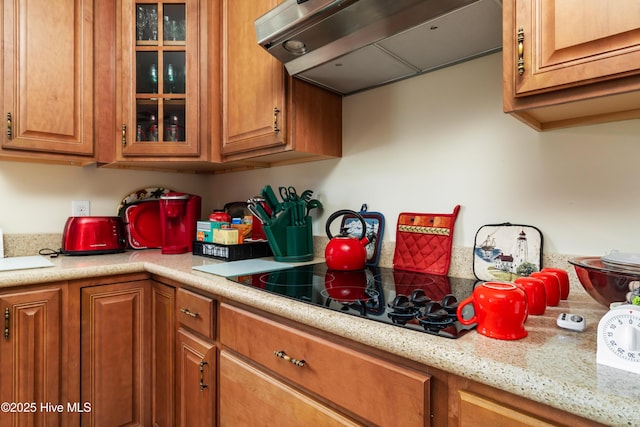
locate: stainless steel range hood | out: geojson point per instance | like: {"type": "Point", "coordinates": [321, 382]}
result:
{"type": "Point", "coordinates": [351, 45]}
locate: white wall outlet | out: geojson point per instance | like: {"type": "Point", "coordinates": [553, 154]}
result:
{"type": "Point", "coordinates": [80, 208]}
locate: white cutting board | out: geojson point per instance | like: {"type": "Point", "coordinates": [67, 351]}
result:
{"type": "Point", "coordinates": [242, 267]}
{"type": "Point", "coordinates": [24, 262]}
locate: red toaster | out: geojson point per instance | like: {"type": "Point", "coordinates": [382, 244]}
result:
{"type": "Point", "coordinates": [91, 235]}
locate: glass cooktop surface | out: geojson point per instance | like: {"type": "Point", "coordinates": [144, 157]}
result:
{"type": "Point", "coordinates": [418, 301]}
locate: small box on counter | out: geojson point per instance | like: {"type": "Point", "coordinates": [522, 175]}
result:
{"type": "Point", "coordinates": [226, 236]}
{"type": "Point", "coordinates": [232, 252]}
{"type": "Point", "coordinates": [205, 229]}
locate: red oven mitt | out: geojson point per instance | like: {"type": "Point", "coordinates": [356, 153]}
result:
{"type": "Point", "coordinates": [423, 242]}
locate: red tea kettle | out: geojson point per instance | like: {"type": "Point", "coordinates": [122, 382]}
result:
{"type": "Point", "coordinates": [344, 252]}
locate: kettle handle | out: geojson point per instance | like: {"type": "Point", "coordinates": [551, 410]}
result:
{"type": "Point", "coordinates": [346, 212]}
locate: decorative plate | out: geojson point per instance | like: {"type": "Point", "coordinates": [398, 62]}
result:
{"type": "Point", "coordinates": [143, 194]}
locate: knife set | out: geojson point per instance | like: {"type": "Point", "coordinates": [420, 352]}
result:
{"type": "Point", "coordinates": [286, 222]}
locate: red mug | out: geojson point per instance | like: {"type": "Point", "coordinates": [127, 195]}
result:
{"type": "Point", "coordinates": [536, 296]}
{"type": "Point", "coordinates": [551, 287]}
{"type": "Point", "coordinates": [500, 310]}
{"type": "Point", "coordinates": [563, 277]}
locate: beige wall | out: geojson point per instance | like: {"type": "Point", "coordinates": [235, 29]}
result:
{"type": "Point", "coordinates": [423, 144]}
{"type": "Point", "coordinates": [37, 198]}
{"type": "Point", "coordinates": [441, 139]}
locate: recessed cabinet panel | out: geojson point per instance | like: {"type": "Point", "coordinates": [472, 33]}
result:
{"type": "Point", "coordinates": [572, 41]}
{"type": "Point", "coordinates": [47, 76]}
{"type": "Point", "coordinates": [31, 363]}
{"type": "Point", "coordinates": [572, 62]}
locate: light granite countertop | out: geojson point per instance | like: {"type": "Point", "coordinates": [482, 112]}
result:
{"type": "Point", "coordinates": [552, 366]}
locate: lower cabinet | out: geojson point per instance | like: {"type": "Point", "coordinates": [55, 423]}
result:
{"type": "Point", "coordinates": [308, 378]}
{"type": "Point", "coordinates": [129, 350]}
{"type": "Point", "coordinates": [251, 397]}
{"type": "Point", "coordinates": [196, 368]}
{"type": "Point", "coordinates": [196, 373]}
{"type": "Point", "coordinates": [476, 405]}
{"type": "Point", "coordinates": [126, 350]}
{"type": "Point", "coordinates": [31, 363]}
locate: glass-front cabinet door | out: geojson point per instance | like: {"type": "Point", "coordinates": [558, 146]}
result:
{"type": "Point", "coordinates": [160, 79]}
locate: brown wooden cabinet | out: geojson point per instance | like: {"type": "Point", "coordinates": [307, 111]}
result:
{"type": "Point", "coordinates": [268, 116]}
{"type": "Point", "coordinates": [115, 357]}
{"type": "Point", "coordinates": [127, 354]}
{"type": "Point", "coordinates": [476, 405]}
{"type": "Point", "coordinates": [250, 396]}
{"type": "Point", "coordinates": [31, 356]}
{"type": "Point", "coordinates": [196, 380]}
{"type": "Point", "coordinates": [47, 81]}
{"type": "Point", "coordinates": [355, 385]}
{"type": "Point", "coordinates": [160, 79]}
{"type": "Point", "coordinates": [196, 368]}
{"type": "Point", "coordinates": [571, 62]}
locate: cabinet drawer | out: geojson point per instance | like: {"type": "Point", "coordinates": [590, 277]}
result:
{"type": "Point", "coordinates": [371, 388]}
{"type": "Point", "coordinates": [196, 312]}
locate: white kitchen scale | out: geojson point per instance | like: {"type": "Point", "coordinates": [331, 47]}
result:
{"type": "Point", "coordinates": [619, 338]}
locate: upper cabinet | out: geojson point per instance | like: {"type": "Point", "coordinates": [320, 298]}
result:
{"type": "Point", "coordinates": [267, 115]}
{"type": "Point", "coordinates": [159, 81]}
{"type": "Point", "coordinates": [47, 80]}
{"type": "Point", "coordinates": [571, 62]}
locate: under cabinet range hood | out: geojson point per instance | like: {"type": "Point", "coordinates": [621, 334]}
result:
{"type": "Point", "coordinates": [351, 45]}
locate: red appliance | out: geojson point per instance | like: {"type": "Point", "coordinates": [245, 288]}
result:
{"type": "Point", "coordinates": [179, 213]}
{"type": "Point", "coordinates": [91, 235]}
{"type": "Point", "coordinates": [143, 225]}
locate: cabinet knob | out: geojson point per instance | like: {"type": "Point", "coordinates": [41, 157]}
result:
{"type": "Point", "coordinates": [282, 355]}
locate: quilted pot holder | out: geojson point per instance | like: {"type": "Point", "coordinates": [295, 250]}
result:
{"type": "Point", "coordinates": [423, 242]}
{"type": "Point", "coordinates": [507, 251]}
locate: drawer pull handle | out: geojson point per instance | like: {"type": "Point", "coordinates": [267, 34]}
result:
{"type": "Point", "coordinates": [282, 355]}
{"type": "Point", "coordinates": [9, 126]}
{"type": "Point", "coordinates": [7, 315]}
{"type": "Point", "coordinates": [202, 384]}
{"type": "Point", "coordinates": [520, 51]}
{"type": "Point", "coordinates": [189, 312]}
{"type": "Point", "coordinates": [276, 128]}
{"type": "Point", "coordinates": [124, 134]}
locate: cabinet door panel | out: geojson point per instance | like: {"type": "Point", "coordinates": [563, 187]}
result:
{"type": "Point", "coordinates": [476, 411]}
{"type": "Point", "coordinates": [160, 79]}
{"type": "Point", "coordinates": [573, 42]}
{"type": "Point", "coordinates": [48, 76]}
{"type": "Point", "coordinates": [253, 83]}
{"type": "Point", "coordinates": [248, 397]}
{"type": "Point", "coordinates": [30, 355]}
{"type": "Point", "coordinates": [196, 368]}
{"type": "Point", "coordinates": [162, 355]}
{"type": "Point", "coordinates": [266, 342]}
{"type": "Point", "coordinates": [114, 357]}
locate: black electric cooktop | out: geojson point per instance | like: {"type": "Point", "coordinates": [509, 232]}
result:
{"type": "Point", "coordinates": [418, 301]}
